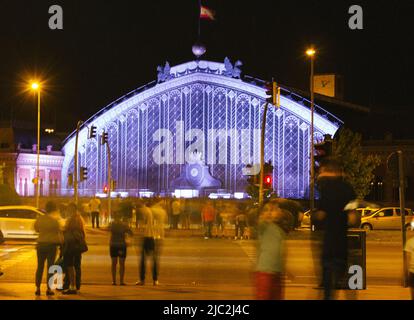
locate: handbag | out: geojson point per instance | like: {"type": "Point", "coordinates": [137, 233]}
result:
{"type": "Point", "coordinates": [81, 242]}
{"type": "Point", "coordinates": [83, 246]}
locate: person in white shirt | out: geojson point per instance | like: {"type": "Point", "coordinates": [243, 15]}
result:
{"type": "Point", "coordinates": [95, 210]}
{"type": "Point", "coordinates": [154, 221]}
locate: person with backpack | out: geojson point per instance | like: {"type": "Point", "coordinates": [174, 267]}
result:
{"type": "Point", "coordinates": [73, 247]}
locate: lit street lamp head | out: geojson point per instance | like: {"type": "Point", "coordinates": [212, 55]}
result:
{"type": "Point", "coordinates": [35, 86]}
{"type": "Point", "coordinates": [310, 52]}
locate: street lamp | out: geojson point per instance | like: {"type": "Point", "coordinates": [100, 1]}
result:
{"type": "Point", "coordinates": [311, 54]}
{"type": "Point", "coordinates": [35, 86]}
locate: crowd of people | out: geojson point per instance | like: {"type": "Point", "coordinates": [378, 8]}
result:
{"type": "Point", "coordinates": [62, 241]}
{"type": "Point", "coordinates": [65, 239]}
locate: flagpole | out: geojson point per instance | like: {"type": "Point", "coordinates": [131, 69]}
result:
{"type": "Point", "coordinates": [199, 20]}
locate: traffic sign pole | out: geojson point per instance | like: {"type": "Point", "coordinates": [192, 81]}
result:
{"type": "Point", "coordinates": [402, 210]}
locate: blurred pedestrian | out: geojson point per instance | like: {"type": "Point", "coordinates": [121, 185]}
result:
{"type": "Point", "coordinates": [126, 211]}
{"type": "Point", "coordinates": [240, 224]}
{"type": "Point", "coordinates": [73, 247]}
{"type": "Point", "coordinates": [274, 224]}
{"type": "Point", "coordinates": [154, 220]}
{"type": "Point", "coordinates": [208, 215]}
{"type": "Point", "coordinates": [334, 194]}
{"type": "Point", "coordinates": [50, 237]}
{"type": "Point", "coordinates": [186, 211]}
{"type": "Point", "coordinates": [220, 222]}
{"type": "Point", "coordinates": [85, 212]}
{"type": "Point", "coordinates": [95, 209]}
{"type": "Point", "coordinates": [176, 212]}
{"type": "Point", "coordinates": [118, 247]}
{"type": "Point", "coordinates": [409, 248]}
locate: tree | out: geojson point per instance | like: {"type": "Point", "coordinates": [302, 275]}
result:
{"type": "Point", "coordinates": [358, 167]}
{"type": "Point", "coordinates": [8, 196]}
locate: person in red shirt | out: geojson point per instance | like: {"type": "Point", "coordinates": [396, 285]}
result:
{"type": "Point", "coordinates": [208, 214]}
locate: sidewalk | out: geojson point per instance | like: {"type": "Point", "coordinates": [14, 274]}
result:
{"type": "Point", "coordinates": [25, 291]}
{"type": "Point", "coordinates": [386, 237]}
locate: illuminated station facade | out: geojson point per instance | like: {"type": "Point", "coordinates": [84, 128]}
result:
{"type": "Point", "coordinates": [192, 133]}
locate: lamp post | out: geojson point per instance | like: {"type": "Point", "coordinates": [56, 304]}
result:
{"type": "Point", "coordinates": [35, 86]}
{"type": "Point", "coordinates": [311, 53]}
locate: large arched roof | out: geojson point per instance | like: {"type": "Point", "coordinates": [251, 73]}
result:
{"type": "Point", "coordinates": [203, 72]}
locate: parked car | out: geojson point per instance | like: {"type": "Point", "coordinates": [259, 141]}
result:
{"type": "Point", "coordinates": [17, 222]}
{"type": "Point", "coordinates": [365, 212]}
{"type": "Point", "coordinates": [386, 219]}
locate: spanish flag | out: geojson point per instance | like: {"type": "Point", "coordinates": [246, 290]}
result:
{"type": "Point", "coordinates": [206, 13]}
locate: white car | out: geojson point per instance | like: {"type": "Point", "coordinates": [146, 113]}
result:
{"type": "Point", "coordinates": [17, 222]}
{"type": "Point", "coordinates": [387, 219]}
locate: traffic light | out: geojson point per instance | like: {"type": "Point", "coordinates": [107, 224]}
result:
{"type": "Point", "coordinates": [323, 151]}
{"type": "Point", "coordinates": [83, 173]}
{"type": "Point", "coordinates": [267, 181]}
{"type": "Point", "coordinates": [105, 189]}
{"type": "Point", "coordinates": [70, 180]}
{"type": "Point", "coordinates": [92, 132]}
{"type": "Point", "coordinates": [113, 185]}
{"type": "Point", "coordinates": [267, 175]}
{"type": "Point", "coordinates": [271, 91]}
{"type": "Point", "coordinates": [104, 138]}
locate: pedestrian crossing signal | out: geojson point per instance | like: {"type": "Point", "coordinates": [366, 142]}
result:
{"type": "Point", "coordinates": [92, 132]}
{"type": "Point", "coordinates": [104, 138]}
{"type": "Point", "coordinates": [83, 173]}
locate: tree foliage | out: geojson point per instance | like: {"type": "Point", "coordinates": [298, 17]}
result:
{"type": "Point", "coordinates": [8, 196]}
{"type": "Point", "coordinates": [358, 167]}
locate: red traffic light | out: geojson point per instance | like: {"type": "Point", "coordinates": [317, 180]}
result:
{"type": "Point", "coordinates": [268, 180]}
{"type": "Point", "coordinates": [105, 189]}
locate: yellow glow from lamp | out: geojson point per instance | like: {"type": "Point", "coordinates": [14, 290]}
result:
{"type": "Point", "coordinates": [35, 86]}
{"type": "Point", "coordinates": [310, 52]}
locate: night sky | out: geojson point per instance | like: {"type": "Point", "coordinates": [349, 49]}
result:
{"type": "Point", "coordinates": [108, 48]}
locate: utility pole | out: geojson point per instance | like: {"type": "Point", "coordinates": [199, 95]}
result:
{"type": "Point", "coordinates": [104, 141]}
{"type": "Point", "coordinates": [75, 173]}
{"type": "Point", "coordinates": [262, 138]}
{"type": "Point", "coordinates": [274, 98]}
{"type": "Point", "coordinates": [402, 210]}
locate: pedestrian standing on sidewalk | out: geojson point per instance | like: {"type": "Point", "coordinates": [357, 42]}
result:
{"type": "Point", "coordinates": [220, 222]}
{"type": "Point", "coordinates": [186, 211]}
{"type": "Point", "coordinates": [50, 237]}
{"type": "Point", "coordinates": [409, 248]}
{"type": "Point", "coordinates": [154, 219]}
{"type": "Point", "coordinates": [73, 247]}
{"type": "Point", "coordinates": [207, 216]}
{"type": "Point", "coordinates": [334, 194]}
{"type": "Point", "coordinates": [118, 247]}
{"type": "Point", "coordinates": [274, 224]}
{"type": "Point", "coordinates": [95, 209]}
{"type": "Point", "coordinates": [176, 212]}
{"type": "Point", "coordinates": [241, 224]}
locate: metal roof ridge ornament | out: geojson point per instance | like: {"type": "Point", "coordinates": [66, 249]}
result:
{"type": "Point", "coordinates": [164, 73]}
{"type": "Point", "coordinates": [232, 71]}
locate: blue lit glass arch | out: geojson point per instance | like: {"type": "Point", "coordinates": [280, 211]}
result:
{"type": "Point", "coordinates": [202, 99]}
